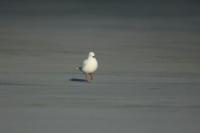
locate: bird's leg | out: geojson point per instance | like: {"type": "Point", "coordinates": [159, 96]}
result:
{"type": "Point", "coordinates": [91, 76]}
{"type": "Point", "coordinates": [87, 77]}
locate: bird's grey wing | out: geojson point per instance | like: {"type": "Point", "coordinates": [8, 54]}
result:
{"type": "Point", "coordinates": [83, 65]}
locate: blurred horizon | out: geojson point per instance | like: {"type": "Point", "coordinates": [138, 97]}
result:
{"type": "Point", "coordinates": [110, 8]}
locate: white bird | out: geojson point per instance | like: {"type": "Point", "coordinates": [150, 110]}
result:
{"type": "Point", "coordinates": [89, 66]}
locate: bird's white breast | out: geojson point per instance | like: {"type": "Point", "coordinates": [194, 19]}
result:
{"type": "Point", "coordinates": [90, 65]}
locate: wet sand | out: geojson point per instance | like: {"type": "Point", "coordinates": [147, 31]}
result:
{"type": "Point", "coordinates": [148, 79]}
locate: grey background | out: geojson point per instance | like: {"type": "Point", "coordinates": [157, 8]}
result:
{"type": "Point", "coordinates": [148, 79]}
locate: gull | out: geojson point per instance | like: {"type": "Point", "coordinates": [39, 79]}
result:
{"type": "Point", "coordinates": [89, 66]}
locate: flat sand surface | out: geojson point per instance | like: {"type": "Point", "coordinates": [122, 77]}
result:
{"type": "Point", "coordinates": [148, 79]}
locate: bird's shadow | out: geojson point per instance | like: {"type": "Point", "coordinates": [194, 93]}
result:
{"type": "Point", "coordinates": [77, 80]}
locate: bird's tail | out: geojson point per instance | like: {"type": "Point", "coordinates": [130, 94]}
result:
{"type": "Point", "coordinates": [79, 68]}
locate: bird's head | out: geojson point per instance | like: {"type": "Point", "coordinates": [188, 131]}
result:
{"type": "Point", "coordinates": [91, 54]}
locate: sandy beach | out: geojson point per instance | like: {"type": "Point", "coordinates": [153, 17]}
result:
{"type": "Point", "coordinates": [148, 79]}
